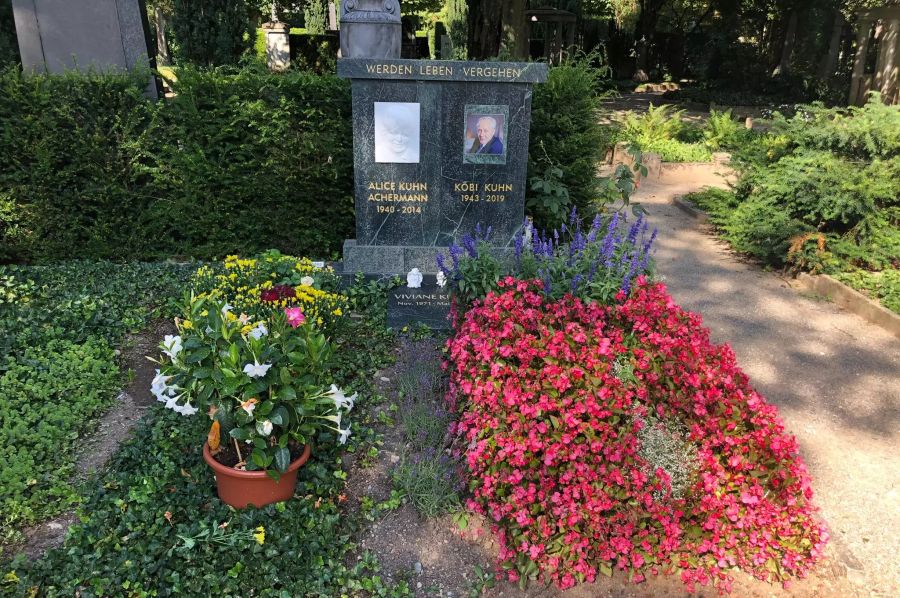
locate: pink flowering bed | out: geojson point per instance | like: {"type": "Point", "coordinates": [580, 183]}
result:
{"type": "Point", "coordinates": [551, 398]}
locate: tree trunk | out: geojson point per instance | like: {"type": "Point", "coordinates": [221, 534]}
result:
{"type": "Point", "coordinates": [729, 11]}
{"type": "Point", "coordinates": [787, 49]}
{"type": "Point", "coordinates": [162, 44]}
{"type": "Point", "coordinates": [644, 32]}
{"type": "Point", "coordinates": [485, 26]}
{"type": "Point", "coordinates": [829, 62]}
{"type": "Point", "coordinates": [515, 29]}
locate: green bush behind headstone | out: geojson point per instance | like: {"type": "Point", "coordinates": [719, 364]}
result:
{"type": "Point", "coordinates": [240, 160]}
{"type": "Point", "coordinates": [566, 132]}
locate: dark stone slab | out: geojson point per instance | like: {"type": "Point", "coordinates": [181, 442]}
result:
{"type": "Point", "coordinates": [370, 29]}
{"type": "Point", "coordinates": [428, 305]}
{"type": "Point", "coordinates": [386, 259]}
{"type": "Point", "coordinates": [443, 188]}
{"type": "Point", "coordinates": [439, 148]}
{"type": "Point", "coordinates": [442, 70]}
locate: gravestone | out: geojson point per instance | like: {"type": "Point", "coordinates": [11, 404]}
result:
{"type": "Point", "coordinates": [59, 35]}
{"type": "Point", "coordinates": [439, 147]}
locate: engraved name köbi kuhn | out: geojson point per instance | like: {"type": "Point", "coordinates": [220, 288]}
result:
{"type": "Point", "coordinates": [397, 132]}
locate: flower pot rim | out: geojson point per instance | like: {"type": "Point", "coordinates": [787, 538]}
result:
{"type": "Point", "coordinates": [238, 473]}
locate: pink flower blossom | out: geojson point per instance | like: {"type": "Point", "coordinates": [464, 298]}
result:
{"type": "Point", "coordinates": [294, 315]}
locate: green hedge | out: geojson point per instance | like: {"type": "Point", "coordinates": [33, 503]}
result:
{"type": "Point", "coordinates": [566, 132]}
{"type": "Point", "coordinates": [238, 161]}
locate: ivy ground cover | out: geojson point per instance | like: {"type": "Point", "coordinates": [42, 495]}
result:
{"type": "Point", "coordinates": [620, 437]}
{"type": "Point", "coordinates": [152, 524]}
{"type": "Point", "coordinates": [59, 328]}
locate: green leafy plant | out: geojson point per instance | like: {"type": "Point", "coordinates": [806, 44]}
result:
{"type": "Point", "coordinates": [722, 131]}
{"type": "Point", "coordinates": [818, 192]}
{"type": "Point", "coordinates": [314, 17]}
{"type": "Point", "coordinates": [549, 199]}
{"type": "Point", "coordinates": [428, 478]}
{"type": "Point", "coordinates": [661, 130]}
{"type": "Point", "coordinates": [50, 395]}
{"type": "Point", "coordinates": [59, 373]}
{"type": "Point", "coordinates": [658, 122]}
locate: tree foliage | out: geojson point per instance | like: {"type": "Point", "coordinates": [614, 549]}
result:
{"type": "Point", "coordinates": [211, 32]}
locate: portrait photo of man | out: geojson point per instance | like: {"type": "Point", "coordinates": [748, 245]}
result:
{"type": "Point", "coordinates": [486, 140]}
{"type": "Point", "coordinates": [486, 135]}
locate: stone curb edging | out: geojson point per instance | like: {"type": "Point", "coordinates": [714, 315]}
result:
{"type": "Point", "coordinates": [851, 300]}
{"type": "Point", "coordinates": [822, 284]}
{"type": "Point", "coordinates": [689, 209]}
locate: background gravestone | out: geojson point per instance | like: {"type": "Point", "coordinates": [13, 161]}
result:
{"type": "Point", "coordinates": [59, 35]}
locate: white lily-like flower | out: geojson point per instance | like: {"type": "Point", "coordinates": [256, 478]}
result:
{"type": "Point", "coordinates": [264, 427]}
{"type": "Point", "coordinates": [187, 409]}
{"type": "Point", "coordinates": [259, 332]}
{"type": "Point", "coordinates": [208, 330]}
{"type": "Point", "coordinates": [307, 281]}
{"type": "Point", "coordinates": [160, 387]}
{"type": "Point", "coordinates": [256, 370]}
{"type": "Point", "coordinates": [441, 279]}
{"type": "Point", "coordinates": [171, 345]}
{"type": "Point", "coordinates": [341, 400]}
{"type": "Point", "coordinates": [226, 308]}
{"type": "Point", "coordinates": [336, 418]}
{"type": "Point", "coordinates": [343, 435]}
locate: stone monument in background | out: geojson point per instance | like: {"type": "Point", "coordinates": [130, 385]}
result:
{"type": "Point", "coordinates": [60, 35]}
{"type": "Point", "coordinates": [439, 147]}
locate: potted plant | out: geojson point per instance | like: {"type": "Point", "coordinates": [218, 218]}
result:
{"type": "Point", "coordinates": [263, 382]}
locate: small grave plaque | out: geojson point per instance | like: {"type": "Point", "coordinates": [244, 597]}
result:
{"type": "Point", "coordinates": [427, 304]}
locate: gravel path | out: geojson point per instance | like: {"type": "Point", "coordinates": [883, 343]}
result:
{"type": "Point", "coordinates": [834, 377]}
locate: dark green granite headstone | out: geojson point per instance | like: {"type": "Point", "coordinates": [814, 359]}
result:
{"type": "Point", "coordinates": [439, 147]}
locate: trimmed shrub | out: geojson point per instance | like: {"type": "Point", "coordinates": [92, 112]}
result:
{"type": "Point", "coordinates": [571, 139]}
{"type": "Point", "coordinates": [237, 161]}
{"type": "Point", "coordinates": [554, 399]}
{"type": "Point", "coordinates": [70, 183]}
{"type": "Point", "coordinates": [244, 161]}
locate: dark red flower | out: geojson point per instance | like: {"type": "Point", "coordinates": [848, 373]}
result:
{"type": "Point", "coordinates": [278, 292]}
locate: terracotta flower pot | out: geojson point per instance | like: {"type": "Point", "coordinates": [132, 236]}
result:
{"type": "Point", "coordinates": [240, 488]}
